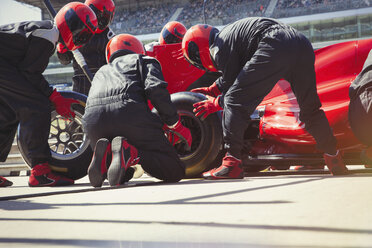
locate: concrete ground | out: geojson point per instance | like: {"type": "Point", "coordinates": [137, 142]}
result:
{"type": "Point", "coordinates": [270, 209]}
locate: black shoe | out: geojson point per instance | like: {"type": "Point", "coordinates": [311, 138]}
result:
{"type": "Point", "coordinates": [366, 157]}
{"type": "Point", "coordinates": [97, 170]}
{"type": "Point", "coordinates": [335, 164]}
{"type": "Point", "coordinates": [124, 155]}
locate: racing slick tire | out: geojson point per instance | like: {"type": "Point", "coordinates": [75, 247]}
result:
{"type": "Point", "coordinates": [69, 146]}
{"type": "Point", "coordinates": [206, 149]}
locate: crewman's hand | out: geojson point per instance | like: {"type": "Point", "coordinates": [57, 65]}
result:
{"type": "Point", "coordinates": [207, 107]}
{"type": "Point", "coordinates": [178, 133]}
{"type": "Point", "coordinates": [61, 48]}
{"type": "Point", "coordinates": [63, 54]}
{"type": "Point", "coordinates": [209, 91]}
{"type": "Point", "coordinates": [62, 104]}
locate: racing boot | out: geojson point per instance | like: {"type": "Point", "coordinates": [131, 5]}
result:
{"type": "Point", "coordinates": [124, 155]}
{"type": "Point", "coordinates": [335, 164]}
{"type": "Point", "coordinates": [41, 175]}
{"type": "Point", "coordinates": [231, 168]}
{"type": "Point", "coordinates": [97, 170]}
{"type": "Point", "coordinates": [5, 182]}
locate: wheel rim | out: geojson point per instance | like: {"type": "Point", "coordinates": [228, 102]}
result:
{"type": "Point", "coordinates": [194, 124]}
{"type": "Point", "coordinates": [67, 139]}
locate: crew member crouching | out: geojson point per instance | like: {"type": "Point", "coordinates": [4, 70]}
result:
{"type": "Point", "coordinates": [119, 123]}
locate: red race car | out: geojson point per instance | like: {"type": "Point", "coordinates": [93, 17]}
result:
{"type": "Point", "coordinates": [275, 136]}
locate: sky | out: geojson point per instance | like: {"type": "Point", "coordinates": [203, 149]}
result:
{"type": "Point", "coordinates": [12, 11]}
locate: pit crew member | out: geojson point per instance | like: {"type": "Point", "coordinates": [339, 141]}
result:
{"type": "Point", "coordinates": [94, 50]}
{"type": "Point", "coordinates": [253, 54]}
{"type": "Point", "coordinates": [171, 33]}
{"type": "Point", "coordinates": [360, 108]}
{"type": "Point", "coordinates": [121, 128]}
{"type": "Point", "coordinates": [25, 95]}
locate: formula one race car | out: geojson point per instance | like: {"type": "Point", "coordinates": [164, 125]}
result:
{"type": "Point", "coordinates": [275, 136]}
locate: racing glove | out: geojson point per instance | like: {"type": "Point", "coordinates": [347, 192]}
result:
{"type": "Point", "coordinates": [61, 48]}
{"type": "Point", "coordinates": [207, 107]}
{"type": "Point", "coordinates": [178, 133]}
{"type": "Point", "coordinates": [209, 91]}
{"type": "Point", "coordinates": [62, 104]}
{"type": "Point", "coordinates": [63, 54]}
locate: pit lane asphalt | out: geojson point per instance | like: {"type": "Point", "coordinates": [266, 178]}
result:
{"type": "Point", "coordinates": [269, 209]}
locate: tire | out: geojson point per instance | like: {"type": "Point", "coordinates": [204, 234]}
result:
{"type": "Point", "coordinates": [206, 150]}
{"type": "Point", "coordinates": [69, 146]}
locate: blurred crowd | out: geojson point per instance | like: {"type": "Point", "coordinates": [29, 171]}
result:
{"type": "Point", "coordinates": [221, 12]}
{"type": "Point", "coordinates": [153, 17]}
{"type": "Point", "coordinates": [149, 19]}
{"type": "Point", "coordinates": [290, 4]}
{"type": "Point", "coordinates": [289, 8]}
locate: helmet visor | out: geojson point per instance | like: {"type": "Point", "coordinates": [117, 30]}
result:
{"type": "Point", "coordinates": [82, 37]}
{"type": "Point", "coordinates": [170, 38]}
{"type": "Point", "coordinates": [104, 17]}
{"type": "Point", "coordinates": [79, 30]}
{"type": "Point", "coordinates": [194, 56]}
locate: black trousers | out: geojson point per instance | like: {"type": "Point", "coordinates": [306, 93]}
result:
{"type": "Point", "coordinates": [21, 103]}
{"type": "Point", "coordinates": [142, 129]}
{"type": "Point", "coordinates": [281, 53]}
{"type": "Point", "coordinates": [360, 116]}
{"type": "Point", "coordinates": [81, 84]}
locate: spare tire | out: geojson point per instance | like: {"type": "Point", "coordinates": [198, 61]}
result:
{"type": "Point", "coordinates": [69, 145]}
{"type": "Point", "coordinates": [207, 143]}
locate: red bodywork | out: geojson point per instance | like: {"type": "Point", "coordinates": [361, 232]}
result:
{"type": "Point", "coordinates": [279, 128]}
{"type": "Point", "coordinates": [336, 67]}
{"type": "Point", "coordinates": [179, 73]}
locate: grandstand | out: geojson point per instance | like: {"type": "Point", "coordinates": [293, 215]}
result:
{"type": "Point", "coordinates": [145, 17]}
{"type": "Point", "coordinates": [151, 18]}
{"type": "Point", "coordinates": [319, 20]}
{"type": "Point", "coordinates": [287, 8]}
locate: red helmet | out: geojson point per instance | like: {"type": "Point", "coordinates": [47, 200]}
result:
{"type": "Point", "coordinates": [104, 10]}
{"type": "Point", "coordinates": [195, 46]}
{"type": "Point", "coordinates": [123, 44]}
{"type": "Point", "coordinates": [76, 23]}
{"type": "Point", "coordinates": [171, 33]}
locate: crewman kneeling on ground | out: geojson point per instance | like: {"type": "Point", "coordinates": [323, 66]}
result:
{"type": "Point", "coordinates": [119, 123]}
